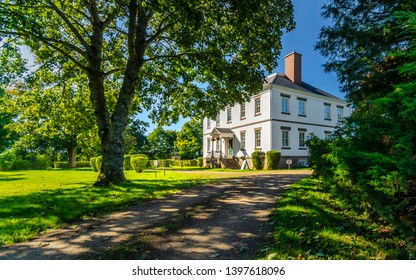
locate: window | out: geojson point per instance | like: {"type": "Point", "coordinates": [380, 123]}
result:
{"type": "Point", "coordinates": [242, 111]}
{"type": "Point", "coordinates": [285, 105]}
{"type": "Point", "coordinates": [303, 162]}
{"type": "Point", "coordinates": [228, 115]}
{"type": "Point", "coordinates": [257, 139]}
{"type": "Point", "coordinates": [242, 140]}
{"type": "Point", "coordinates": [208, 123]}
{"type": "Point", "coordinates": [285, 138]}
{"type": "Point", "coordinates": [257, 106]}
{"type": "Point", "coordinates": [302, 139]}
{"type": "Point", "coordinates": [217, 120]}
{"type": "Point", "coordinates": [209, 143]}
{"type": "Point", "coordinates": [340, 113]}
{"type": "Point", "coordinates": [328, 135]}
{"type": "Point", "coordinates": [302, 108]}
{"type": "Point", "coordinates": [218, 145]}
{"type": "Point", "coordinates": [327, 111]}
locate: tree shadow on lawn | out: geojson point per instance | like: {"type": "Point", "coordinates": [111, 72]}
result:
{"type": "Point", "coordinates": [11, 177]}
{"type": "Point", "coordinates": [54, 208]}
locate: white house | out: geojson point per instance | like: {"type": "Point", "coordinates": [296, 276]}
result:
{"type": "Point", "coordinates": [280, 117]}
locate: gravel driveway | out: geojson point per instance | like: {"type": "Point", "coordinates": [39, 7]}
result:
{"type": "Point", "coordinates": [223, 220]}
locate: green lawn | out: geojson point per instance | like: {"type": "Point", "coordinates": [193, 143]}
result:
{"type": "Point", "coordinates": [34, 201]}
{"type": "Point", "coordinates": [309, 223]}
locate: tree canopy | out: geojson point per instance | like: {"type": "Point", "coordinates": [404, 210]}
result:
{"type": "Point", "coordinates": [176, 57]}
{"type": "Point", "coordinates": [188, 142]}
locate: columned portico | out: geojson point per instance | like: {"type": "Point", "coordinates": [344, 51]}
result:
{"type": "Point", "coordinates": [222, 143]}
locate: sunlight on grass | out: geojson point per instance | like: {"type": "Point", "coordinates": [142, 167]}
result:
{"type": "Point", "coordinates": [34, 201]}
{"type": "Point", "coordinates": [309, 223]}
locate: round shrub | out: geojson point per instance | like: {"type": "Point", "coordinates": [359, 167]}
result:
{"type": "Point", "coordinates": [273, 159]}
{"type": "Point", "coordinates": [40, 162]}
{"type": "Point", "coordinates": [127, 163]}
{"type": "Point", "coordinates": [200, 161]}
{"type": "Point", "coordinates": [98, 162]}
{"type": "Point", "coordinates": [258, 159]}
{"type": "Point", "coordinates": [7, 159]}
{"type": "Point", "coordinates": [92, 164]}
{"type": "Point", "coordinates": [139, 162]}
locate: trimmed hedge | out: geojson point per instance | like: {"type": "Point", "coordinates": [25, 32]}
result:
{"type": "Point", "coordinates": [64, 164]}
{"type": "Point", "coordinates": [83, 164]}
{"type": "Point", "coordinates": [92, 164]}
{"type": "Point", "coordinates": [258, 158]}
{"type": "Point", "coordinates": [95, 163]}
{"type": "Point", "coordinates": [185, 162]}
{"type": "Point", "coordinates": [273, 159]}
{"type": "Point", "coordinates": [126, 162]}
{"type": "Point", "coordinates": [200, 162]}
{"type": "Point", "coordinates": [139, 162]}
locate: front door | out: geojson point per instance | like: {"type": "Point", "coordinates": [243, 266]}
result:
{"type": "Point", "coordinates": [230, 148]}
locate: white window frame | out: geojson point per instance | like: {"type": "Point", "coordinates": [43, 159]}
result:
{"type": "Point", "coordinates": [340, 113]}
{"type": "Point", "coordinates": [257, 138]}
{"type": "Point", "coordinates": [217, 145]}
{"type": "Point", "coordinates": [303, 111]}
{"type": "Point", "coordinates": [302, 139]}
{"type": "Point", "coordinates": [242, 140]}
{"type": "Point", "coordinates": [257, 106]}
{"type": "Point", "coordinates": [285, 105]}
{"type": "Point", "coordinates": [242, 111]}
{"type": "Point", "coordinates": [327, 111]}
{"type": "Point", "coordinates": [209, 143]}
{"type": "Point", "coordinates": [208, 123]}
{"type": "Point", "coordinates": [229, 115]}
{"type": "Point", "coordinates": [218, 120]}
{"type": "Point", "coordinates": [285, 138]}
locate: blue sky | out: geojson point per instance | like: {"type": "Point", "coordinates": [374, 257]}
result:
{"type": "Point", "coordinates": [302, 40]}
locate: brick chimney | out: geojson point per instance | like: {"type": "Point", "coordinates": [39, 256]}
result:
{"type": "Point", "coordinates": [293, 67]}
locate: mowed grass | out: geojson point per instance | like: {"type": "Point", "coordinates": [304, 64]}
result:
{"type": "Point", "coordinates": [35, 201]}
{"type": "Point", "coordinates": [309, 223]}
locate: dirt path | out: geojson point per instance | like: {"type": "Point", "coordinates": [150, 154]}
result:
{"type": "Point", "coordinates": [225, 220]}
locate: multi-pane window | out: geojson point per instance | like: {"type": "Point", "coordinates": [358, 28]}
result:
{"type": "Point", "coordinates": [209, 145]}
{"type": "Point", "coordinates": [242, 111]}
{"type": "Point", "coordinates": [218, 145]}
{"type": "Point", "coordinates": [327, 111]}
{"type": "Point", "coordinates": [285, 105]}
{"type": "Point", "coordinates": [208, 123]}
{"type": "Point", "coordinates": [302, 107]}
{"type": "Point", "coordinates": [257, 106]}
{"type": "Point", "coordinates": [257, 138]}
{"type": "Point", "coordinates": [302, 135]}
{"type": "Point", "coordinates": [229, 115]}
{"type": "Point", "coordinates": [328, 135]}
{"type": "Point", "coordinates": [243, 140]}
{"type": "Point", "coordinates": [340, 113]}
{"type": "Point", "coordinates": [217, 120]}
{"type": "Point", "coordinates": [285, 138]}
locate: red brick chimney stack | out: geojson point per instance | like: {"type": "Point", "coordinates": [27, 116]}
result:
{"type": "Point", "coordinates": [293, 67]}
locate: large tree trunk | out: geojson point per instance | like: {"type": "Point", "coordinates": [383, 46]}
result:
{"type": "Point", "coordinates": [111, 128]}
{"type": "Point", "coordinates": [72, 157]}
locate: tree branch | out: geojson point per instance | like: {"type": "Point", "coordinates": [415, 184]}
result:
{"type": "Point", "coordinates": [70, 25]}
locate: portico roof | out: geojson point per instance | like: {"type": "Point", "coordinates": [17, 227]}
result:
{"type": "Point", "coordinates": [222, 132]}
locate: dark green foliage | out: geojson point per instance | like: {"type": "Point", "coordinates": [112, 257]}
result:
{"type": "Point", "coordinates": [127, 163]}
{"type": "Point", "coordinates": [21, 164]}
{"type": "Point", "coordinates": [373, 164]}
{"type": "Point", "coordinates": [92, 164]}
{"type": "Point", "coordinates": [273, 159]}
{"type": "Point", "coordinates": [139, 162]}
{"type": "Point", "coordinates": [200, 161]}
{"type": "Point", "coordinates": [7, 159]}
{"type": "Point", "coordinates": [188, 143]}
{"type": "Point", "coordinates": [83, 164]}
{"type": "Point", "coordinates": [258, 158]}
{"type": "Point", "coordinates": [160, 143]}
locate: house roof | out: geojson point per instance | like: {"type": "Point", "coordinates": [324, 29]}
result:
{"type": "Point", "coordinates": [281, 80]}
